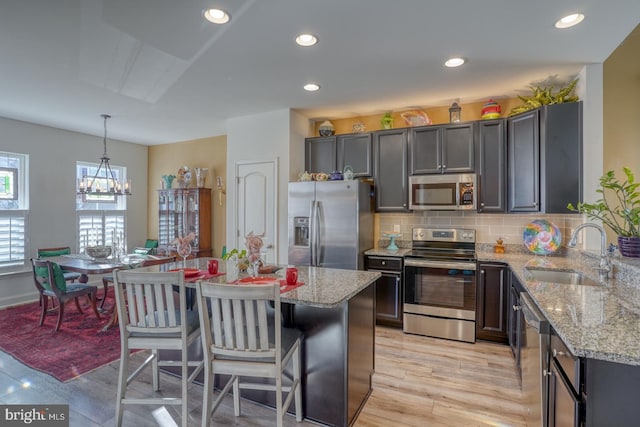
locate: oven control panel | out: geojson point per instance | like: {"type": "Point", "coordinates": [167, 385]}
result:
{"type": "Point", "coordinates": [444, 234]}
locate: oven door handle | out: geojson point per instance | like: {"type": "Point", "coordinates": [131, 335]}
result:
{"type": "Point", "coordinates": [411, 262]}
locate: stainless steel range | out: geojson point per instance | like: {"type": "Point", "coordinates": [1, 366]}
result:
{"type": "Point", "coordinates": [440, 284]}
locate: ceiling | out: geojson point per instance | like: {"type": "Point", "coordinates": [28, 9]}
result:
{"type": "Point", "coordinates": [167, 75]}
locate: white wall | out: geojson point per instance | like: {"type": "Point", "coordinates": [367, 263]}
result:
{"type": "Point", "coordinates": [52, 164]}
{"type": "Point", "coordinates": [591, 92]}
{"type": "Point", "coordinates": [267, 136]}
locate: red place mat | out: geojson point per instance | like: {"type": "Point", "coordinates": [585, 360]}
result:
{"type": "Point", "coordinates": [268, 281]}
{"type": "Point", "coordinates": [286, 288]}
{"type": "Point", "coordinates": [202, 275]}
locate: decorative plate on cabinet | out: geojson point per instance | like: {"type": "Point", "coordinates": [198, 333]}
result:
{"type": "Point", "coordinates": [542, 237]}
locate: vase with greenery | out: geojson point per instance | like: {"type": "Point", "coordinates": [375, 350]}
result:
{"type": "Point", "coordinates": [618, 208]}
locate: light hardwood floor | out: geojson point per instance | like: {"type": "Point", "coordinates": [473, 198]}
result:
{"type": "Point", "coordinates": [419, 381]}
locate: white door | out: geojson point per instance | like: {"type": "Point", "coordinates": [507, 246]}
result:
{"type": "Point", "coordinates": [257, 201]}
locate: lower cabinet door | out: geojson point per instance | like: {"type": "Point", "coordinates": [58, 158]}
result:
{"type": "Point", "coordinates": [492, 299]}
{"type": "Point", "coordinates": [389, 300]}
{"type": "Point", "coordinates": [564, 406]}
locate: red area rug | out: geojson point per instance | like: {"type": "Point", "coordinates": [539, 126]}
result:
{"type": "Point", "coordinates": [80, 345]}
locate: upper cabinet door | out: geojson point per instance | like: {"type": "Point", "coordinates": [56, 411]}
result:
{"type": "Point", "coordinates": [523, 133]}
{"type": "Point", "coordinates": [356, 151]}
{"type": "Point", "coordinates": [457, 148]}
{"type": "Point", "coordinates": [492, 166]}
{"type": "Point", "coordinates": [320, 154]}
{"type": "Point", "coordinates": [390, 170]}
{"type": "Point", "coordinates": [424, 150]}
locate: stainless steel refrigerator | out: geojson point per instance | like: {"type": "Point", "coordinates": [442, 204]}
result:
{"type": "Point", "coordinates": [330, 223]}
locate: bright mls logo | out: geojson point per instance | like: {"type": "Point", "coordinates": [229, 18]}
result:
{"type": "Point", "coordinates": [34, 415]}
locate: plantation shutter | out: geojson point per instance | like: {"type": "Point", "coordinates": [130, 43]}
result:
{"type": "Point", "coordinates": [13, 228]}
{"type": "Point", "coordinates": [97, 227]}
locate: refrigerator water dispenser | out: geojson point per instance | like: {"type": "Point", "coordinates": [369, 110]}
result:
{"type": "Point", "coordinates": [301, 231]}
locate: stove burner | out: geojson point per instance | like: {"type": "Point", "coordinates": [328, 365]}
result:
{"type": "Point", "coordinates": [448, 244]}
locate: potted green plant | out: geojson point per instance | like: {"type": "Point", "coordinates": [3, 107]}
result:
{"type": "Point", "coordinates": [618, 209]}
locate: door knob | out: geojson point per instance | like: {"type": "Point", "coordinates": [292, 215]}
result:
{"type": "Point", "coordinates": [269, 246]}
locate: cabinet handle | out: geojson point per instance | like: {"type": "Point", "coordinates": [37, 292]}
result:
{"type": "Point", "coordinates": [384, 263]}
{"type": "Point", "coordinates": [444, 166]}
{"type": "Point", "coordinates": [535, 204]}
{"type": "Point", "coordinates": [546, 373]}
{"type": "Point", "coordinates": [557, 353]}
{"type": "Point", "coordinates": [516, 307]}
{"type": "Point", "coordinates": [482, 205]}
{"type": "Point", "coordinates": [482, 272]}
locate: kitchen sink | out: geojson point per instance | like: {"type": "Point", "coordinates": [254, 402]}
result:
{"type": "Point", "coordinates": [558, 276]}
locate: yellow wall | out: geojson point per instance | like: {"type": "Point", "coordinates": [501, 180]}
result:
{"type": "Point", "coordinates": [438, 115]}
{"type": "Point", "coordinates": [200, 153]}
{"type": "Point", "coordinates": [621, 109]}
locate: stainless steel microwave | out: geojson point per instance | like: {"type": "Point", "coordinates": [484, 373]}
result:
{"type": "Point", "coordinates": [442, 192]}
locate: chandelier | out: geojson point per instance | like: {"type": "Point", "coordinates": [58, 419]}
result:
{"type": "Point", "coordinates": [104, 182]}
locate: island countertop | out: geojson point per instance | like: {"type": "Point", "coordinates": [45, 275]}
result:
{"type": "Point", "coordinates": [323, 287]}
{"type": "Point", "coordinates": [598, 322]}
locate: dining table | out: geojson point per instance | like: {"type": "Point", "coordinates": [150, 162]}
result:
{"type": "Point", "coordinates": [86, 266]}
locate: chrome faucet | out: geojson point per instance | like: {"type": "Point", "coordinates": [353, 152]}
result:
{"type": "Point", "coordinates": [605, 264]}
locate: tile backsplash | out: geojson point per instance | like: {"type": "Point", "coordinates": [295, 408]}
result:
{"type": "Point", "coordinates": [489, 227]}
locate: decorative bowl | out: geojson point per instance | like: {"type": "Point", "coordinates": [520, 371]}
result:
{"type": "Point", "coordinates": [99, 252]}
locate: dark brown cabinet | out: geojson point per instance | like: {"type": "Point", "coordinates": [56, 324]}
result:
{"type": "Point", "coordinates": [388, 289]}
{"type": "Point", "coordinates": [545, 158]}
{"type": "Point", "coordinates": [320, 154]}
{"type": "Point", "coordinates": [183, 211]}
{"type": "Point", "coordinates": [492, 166]}
{"type": "Point", "coordinates": [442, 149]}
{"type": "Point", "coordinates": [356, 151]}
{"type": "Point", "coordinates": [492, 296]}
{"type": "Point", "coordinates": [390, 170]}
{"type": "Point", "coordinates": [331, 153]}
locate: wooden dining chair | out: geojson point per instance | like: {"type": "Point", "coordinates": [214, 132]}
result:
{"type": "Point", "coordinates": [153, 317]}
{"type": "Point", "coordinates": [241, 339]}
{"type": "Point", "coordinates": [70, 276]}
{"type": "Point", "coordinates": [50, 282]}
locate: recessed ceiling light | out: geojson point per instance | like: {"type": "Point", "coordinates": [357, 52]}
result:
{"type": "Point", "coordinates": [306, 40]}
{"type": "Point", "coordinates": [454, 62]}
{"type": "Point", "coordinates": [217, 16]}
{"type": "Point", "coordinates": [311, 87]}
{"type": "Point", "coordinates": [569, 20]}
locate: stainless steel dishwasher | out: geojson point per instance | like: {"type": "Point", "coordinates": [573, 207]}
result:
{"type": "Point", "coordinates": [534, 362]}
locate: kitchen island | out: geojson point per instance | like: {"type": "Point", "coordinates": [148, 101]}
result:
{"type": "Point", "coordinates": [335, 310]}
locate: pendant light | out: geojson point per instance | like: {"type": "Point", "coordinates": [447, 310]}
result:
{"type": "Point", "coordinates": [104, 182]}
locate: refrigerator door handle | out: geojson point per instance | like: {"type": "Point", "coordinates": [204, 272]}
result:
{"type": "Point", "coordinates": [318, 261]}
{"type": "Point", "coordinates": [313, 232]}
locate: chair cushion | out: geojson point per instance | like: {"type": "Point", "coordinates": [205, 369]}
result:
{"type": "Point", "coordinates": [46, 254]}
{"type": "Point", "coordinates": [70, 275]}
{"type": "Point", "coordinates": [58, 276]}
{"type": "Point", "coordinates": [72, 287]}
{"type": "Point", "coordinates": [193, 323]}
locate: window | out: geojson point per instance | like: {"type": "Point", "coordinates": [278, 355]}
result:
{"type": "Point", "coordinates": [100, 219]}
{"type": "Point", "coordinates": [13, 211]}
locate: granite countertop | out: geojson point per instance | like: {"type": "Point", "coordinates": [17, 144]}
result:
{"type": "Point", "coordinates": [599, 321]}
{"type": "Point", "coordinates": [323, 287]}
